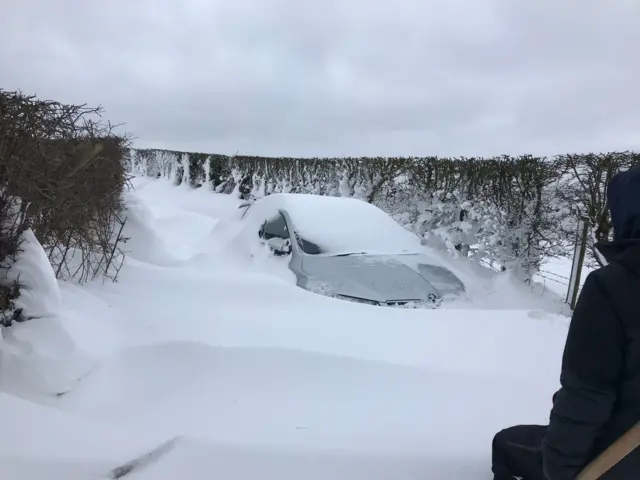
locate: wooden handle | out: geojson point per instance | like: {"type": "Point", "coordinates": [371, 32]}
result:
{"type": "Point", "coordinates": [619, 449]}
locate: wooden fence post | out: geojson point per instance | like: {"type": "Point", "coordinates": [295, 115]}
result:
{"type": "Point", "coordinates": [579, 252]}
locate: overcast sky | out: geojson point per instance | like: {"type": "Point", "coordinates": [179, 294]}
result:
{"type": "Point", "coordinates": [339, 77]}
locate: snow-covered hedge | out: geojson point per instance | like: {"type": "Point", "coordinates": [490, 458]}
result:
{"type": "Point", "coordinates": [509, 212]}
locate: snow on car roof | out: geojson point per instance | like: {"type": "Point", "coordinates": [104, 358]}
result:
{"type": "Point", "coordinates": [343, 225]}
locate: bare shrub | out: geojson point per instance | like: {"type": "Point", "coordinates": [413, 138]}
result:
{"type": "Point", "coordinates": [13, 223]}
{"type": "Point", "coordinates": [583, 189]}
{"type": "Point", "coordinates": [66, 167]}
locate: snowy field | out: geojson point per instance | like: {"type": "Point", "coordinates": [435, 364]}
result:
{"type": "Point", "coordinates": [255, 378]}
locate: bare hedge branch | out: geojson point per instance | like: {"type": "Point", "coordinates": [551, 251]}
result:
{"type": "Point", "coordinates": [66, 167]}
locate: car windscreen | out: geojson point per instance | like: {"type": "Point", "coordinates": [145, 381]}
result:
{"type": "Point", "coordinates": [441, 278]}
{"type": "Point", "coordinates": [308, 247]}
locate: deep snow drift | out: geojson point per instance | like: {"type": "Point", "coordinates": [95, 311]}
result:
{"type": "Point", "coordinates": [258, 378]}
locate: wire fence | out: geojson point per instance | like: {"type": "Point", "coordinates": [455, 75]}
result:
{"type": "Point", "coordinates": [543, 276]}
{"type": "Point", "coordinates": [554, 277]}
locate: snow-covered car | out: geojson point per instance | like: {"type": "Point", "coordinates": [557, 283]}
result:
{"type": "Point", "coordinates": [349, 249]}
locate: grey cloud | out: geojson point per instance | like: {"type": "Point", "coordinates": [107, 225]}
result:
{"type": "Point", "coordinates": [357, 77]}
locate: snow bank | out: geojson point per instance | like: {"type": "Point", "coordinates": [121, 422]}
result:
{"type": "Point", "coordinates": [40, 295]}
{"type": "Point", "coordinates": [38, 356]}
{"type": "Point", "coordinates": [280, 397]}
{"type": "Point", "coordinates": [196, 459]}
{"type": "Point", "coordinates": [38, 442]}
{"type": "Point", "coordinates": [185, 230]}
{"type": "Point", "coordinates": [263, 379]}
{"type": "Point", "coordinates": [143, 243]}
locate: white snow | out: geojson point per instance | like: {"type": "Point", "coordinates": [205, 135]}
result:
{"type": "Point", "coordinates": [257, 378]}
{"type": "Point", "coordinates": [38, 356]}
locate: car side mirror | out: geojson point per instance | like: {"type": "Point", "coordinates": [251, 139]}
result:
{"type": "Point", "coordinates": [280, 246]}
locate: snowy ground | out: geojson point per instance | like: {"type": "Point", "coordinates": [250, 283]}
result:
{"type": "Point", "coordinates": [257, 378]}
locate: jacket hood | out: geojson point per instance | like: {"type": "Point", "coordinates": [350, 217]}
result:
{"type": "Point", "coordinates": [623, 196]}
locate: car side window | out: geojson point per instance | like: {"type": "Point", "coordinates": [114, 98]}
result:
{"type": "Point", "coordinates": [276, 227]}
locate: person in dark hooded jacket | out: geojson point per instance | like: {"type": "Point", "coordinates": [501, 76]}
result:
{"type": "Point", "coordinates": [599, 398]}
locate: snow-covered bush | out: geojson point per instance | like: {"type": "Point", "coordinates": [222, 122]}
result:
{"type": "Point", "coordinates": [508, 212]}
